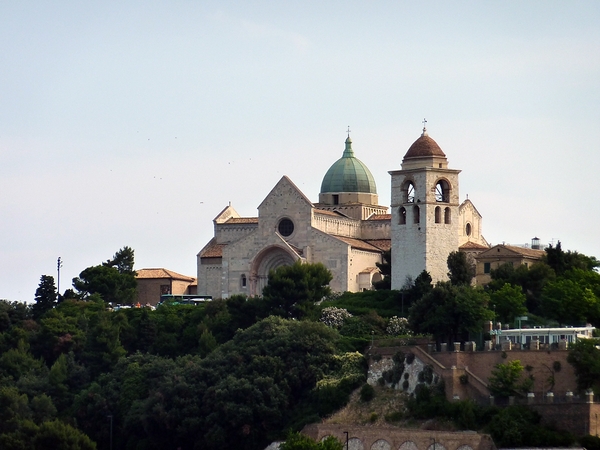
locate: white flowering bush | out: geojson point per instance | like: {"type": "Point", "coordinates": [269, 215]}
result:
{"type": "Point", "coordinates": [334, 317]}
{"type": "Point", "coordinates": [398, 326]}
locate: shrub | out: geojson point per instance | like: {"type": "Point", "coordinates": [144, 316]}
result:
{"type": "Point", "coordinates": [373, 418]}
{"type": "Point", "coordinates": [367, 393]}
{"type": "Point", "coordinates": [410, 357]}
{"type": "Point", "coordinates": [398, 326]}
{"type": "Point", "coordinates": [334, 317]}
{"type": "Point", "coordinates": [405, 385]}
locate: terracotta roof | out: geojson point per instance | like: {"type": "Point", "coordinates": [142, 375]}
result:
{"type": "Point", "coordinates": [526, 251]}
{"type": "Point", "coordinates": [423, 147]}
{"type": "Point", "coordinates": [162, 273]}
{"type": "Point", "coordinates": [212, 250]}
{"type": "Point", "coordinates": [473, 246]}
{"type": "Point", "coordinates": [358, 244]}
{"type": "Point", "coordinates": [330, 213]}
{"type": "Point", "coordinates": [381, 244]}
{"type": "Point", "coordinates": [523, 251]}
{"type": "Point", "coordinates": [234, 220]}
{"type": "Point", "coordinates": [370, 270]}
{"type": "Point", "coordinates": [380, 217]}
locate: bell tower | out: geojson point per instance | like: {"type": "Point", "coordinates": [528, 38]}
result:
{"type": "Point", "coordinates": [424, 203]}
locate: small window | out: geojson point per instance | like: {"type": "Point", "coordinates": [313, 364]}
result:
{"type": "Point", "coordinates": [285, 227]}
{"type": "Point", "coordinates": [402, 216]}
{"type": "Point", "coordinates": [438, 214]}
{"type": "Point", "coordinates": [336, 199]}
{"type": "Point", "coordinates": [486, 267]}
{"type": "Point", "coordinates": [165, 289]}
{"type": "Point", "coordinates": [447, 216]}
{"type": "Point", "coordinates": [468, 229]}
{"type": "Point", "coordinates": [416, 214]}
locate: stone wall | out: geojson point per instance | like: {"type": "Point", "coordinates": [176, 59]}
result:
{"type": "Point", "coordinates": [388, 438]}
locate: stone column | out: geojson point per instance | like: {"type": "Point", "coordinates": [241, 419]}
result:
{"type": "Point", "coordinates": [550, 397]}
{"type": "Point", "coordinates": [457, 346]}
{"type": "Point", "coordinates": [530, 398]}
{"type": "Point", "coordinates": [569, 396]}
{"type": "Point", "coordinates": [443, 347]}
{"type": "Point", "coordinates": [487, 346]}
{"type": "Point", "coordinates": [534, 345]}
{"type": "Point", "coordinates": [589, 396]}
{"type": "Point", "coordinates": [492, 400]}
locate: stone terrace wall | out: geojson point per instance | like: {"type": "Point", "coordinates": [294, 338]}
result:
{"type": "Point", "coordinates": [381, 438]}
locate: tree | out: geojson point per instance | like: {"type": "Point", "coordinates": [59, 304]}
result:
{"type": "Point", "coordinates": [450, 312]}
{"type": "Point", "coordinates": [114, 280]}
{"type": "Point", "coordinates": [569, 302]}
{"type": "Point", "coordinates": [508, 303]}
{"type": "Point", "coordinates": [123, 261]}
{"type": "Point", "coordinates": [562, 261]}
{"type": "Point", "coordinates": [461, 271]}
{"type": "Point", "coordinates": [385, 268]}
{"type": "Point", "coordinates": [292, 291]}
{"type": "Point", "coordinates": [503, 380]}
{"type": "Point", "coordinates": [584, 356]}
{"type": "Point", "coordinates": [45, 297]}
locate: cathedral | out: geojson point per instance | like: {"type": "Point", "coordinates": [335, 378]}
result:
{"type": "Point", "coordinates": [347, 230]}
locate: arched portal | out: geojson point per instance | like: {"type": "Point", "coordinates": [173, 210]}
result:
{"type": "Point", "coordinates": [268, 259]}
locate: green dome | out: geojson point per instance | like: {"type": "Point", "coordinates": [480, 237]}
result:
{"type": "Point", "coordinates": [348, 174]}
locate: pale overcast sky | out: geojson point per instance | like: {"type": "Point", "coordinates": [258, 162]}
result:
{"type": "Point", "coordinates": [134, 123]}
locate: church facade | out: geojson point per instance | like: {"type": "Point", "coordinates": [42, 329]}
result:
{"type": "Point", "coordinates": [347, 230]}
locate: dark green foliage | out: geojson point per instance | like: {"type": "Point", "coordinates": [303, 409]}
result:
{"type": "Point", "coordinates": [519, 426]}
{"type": "Point", "coordinates": [410, 357]}
{"type": "Point", "coordinates": [108, 282]}
{"type": "Point", "coordinates": [367, 393]}
{"type": "Point", "coordinates": [450, 312]}
{"type": "Point", "coordinates": [508, 303]}
{"type": "Point", "coordinates": [298, 441]}
{"type": "Point", "coordinates": [506, 379]}
{"type": "Point", "coordinates": [385, 303]}
{"type": "Point", "coordinates": [461, 270]}
{"type": "Point", "coordinates": [561, 261]}
{"type": "Point", "coordinates": [386, 271]}
{"type": "Point", "coordinates": [123, 261]}
{"type": "Point", "coordinates": [590, 442]}
{"type": "Point", "coordinates": [45, 297]}
{"type": "Point", "coordinates": [292, 291]}
{"type": "Point", "coordinates": [585, 359]}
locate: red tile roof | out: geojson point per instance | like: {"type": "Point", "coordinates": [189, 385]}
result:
{"type": "Point", "coordinates": [162, 273]}
{"type": "Point", "coordinates": [473, 246]}
{"type": "Point", "coordinates": [212, 250]}
{"type": "Point", "coordinates": [235, 220]}
{"type": "Point", "coordinates": [381, 244]}
{"type": "Point", "coordinates": [380, 217]}
{"type": "Point", "coordinates": [358, 244]}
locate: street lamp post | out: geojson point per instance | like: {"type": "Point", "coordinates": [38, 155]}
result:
{"type": "Point", "coordinates": [58, 266]}
{"type": "Point", "coordinates": [346, 433]}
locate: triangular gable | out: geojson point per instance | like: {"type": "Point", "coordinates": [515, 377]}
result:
{"type": "Point", "coordinates": [466, 203]}
{"type": "Point", "coordinates": [283, 182]}
{"type": "Point", "coordinates": [227, 213]}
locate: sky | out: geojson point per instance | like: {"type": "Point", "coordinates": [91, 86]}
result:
{"type": "Point", "coordinates": [130, 123]}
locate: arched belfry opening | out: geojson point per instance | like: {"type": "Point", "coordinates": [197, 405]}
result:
{"type": "Point", "coordinates": [442, 191]}
{"type": "Point", "coordinates": [409, 192]}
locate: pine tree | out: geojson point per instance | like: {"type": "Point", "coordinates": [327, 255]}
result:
{"type": "Point", "coordinates": [45, 297]}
